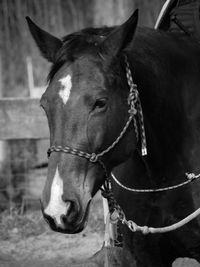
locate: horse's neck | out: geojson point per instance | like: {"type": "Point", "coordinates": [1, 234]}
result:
{"type": "Point", "coordinates": [165, 160]}
{"type": "Point", "coordinates": [133, 174]}
{"type": "Point", "coordinates": [158, 71]}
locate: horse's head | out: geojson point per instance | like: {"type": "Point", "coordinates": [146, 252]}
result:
{"type": "Point", "coordinates": [86, 106]}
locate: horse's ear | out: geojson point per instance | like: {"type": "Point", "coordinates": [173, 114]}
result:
{"type": "Point", "coordinates": [120, 37]}
{"type": "Point", "coordinates": [47, 43]}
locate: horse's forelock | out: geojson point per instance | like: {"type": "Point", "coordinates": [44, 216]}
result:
{"type": "Point", "coordinates": [75, 45]}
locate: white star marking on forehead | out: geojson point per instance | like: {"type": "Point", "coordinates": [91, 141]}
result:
{"type": "Point", "coordinates": [64, 92]}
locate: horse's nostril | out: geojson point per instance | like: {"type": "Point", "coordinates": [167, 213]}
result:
{"type": "Point", "coordinates": [59, 218]}
{"type": "Point", "coordinates": [70, 204]}
{"type": "Point", "coordinates": [72, 212]}
{"type": "Point", "coordinates": [68, 207]}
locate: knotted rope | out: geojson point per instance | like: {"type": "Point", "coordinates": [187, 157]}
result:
{"type": "Point", "coordinates": [136, 107]}
{"type": "Point", "coordinates": [117, 213]}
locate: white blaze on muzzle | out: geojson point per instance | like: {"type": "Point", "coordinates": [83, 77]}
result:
{"type": "Point", "coordinates": [57, 207]}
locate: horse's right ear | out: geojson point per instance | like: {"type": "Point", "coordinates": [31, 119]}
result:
{"type": "Point", "coordinates": [120, 37]}
{"type": "Point", "coordinates": [47, 43]}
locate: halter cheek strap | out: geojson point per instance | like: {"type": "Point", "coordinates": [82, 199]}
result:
{"type": "Point", "coordinates": [136, 106]}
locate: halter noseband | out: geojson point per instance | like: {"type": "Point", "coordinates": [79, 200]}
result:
{"type": "Point", "coordinates": [135, 109]}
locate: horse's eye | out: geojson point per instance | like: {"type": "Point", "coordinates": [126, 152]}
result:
{"type": "Point", "coordinates": [100, 104]}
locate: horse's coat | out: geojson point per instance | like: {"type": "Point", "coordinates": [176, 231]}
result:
{"type": "Point", "coordinates": [64, 92]}
{"type": "Point", "coordinates": [166, 69]}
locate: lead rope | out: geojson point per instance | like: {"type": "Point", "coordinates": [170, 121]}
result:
{"type": "Point", "coordinates": [190, 178]}
{"type": "Point", "coordinates": [113, 237]}
{"type": "Point", "coordinates": [117, 214]}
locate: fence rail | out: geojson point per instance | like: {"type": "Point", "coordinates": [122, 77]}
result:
{"type": "Point", "coordinates": [20, 119]}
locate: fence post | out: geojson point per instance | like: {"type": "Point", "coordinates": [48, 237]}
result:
{"type": "Point", "coordinates": [30, 75]}
{"type": "Point", "coordinates": [5, 177]}
{"type": "Point", "coordinates": [2, 143]}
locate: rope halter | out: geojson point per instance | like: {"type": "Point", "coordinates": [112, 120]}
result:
{"type": "Point", "coordinates": [134, 109]}
{"type": "Point", "coordinates": [117, 214]}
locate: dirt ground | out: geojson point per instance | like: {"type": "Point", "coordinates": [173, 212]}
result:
{"type": "Point", "coordinates": [50, 250]}
{"type": "Point", "coordinates": [26, 241]}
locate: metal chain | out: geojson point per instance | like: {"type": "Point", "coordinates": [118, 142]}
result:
{"type": "Point", "coordinates": [190, 178]}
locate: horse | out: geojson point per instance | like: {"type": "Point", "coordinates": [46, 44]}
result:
{"type": "Point", "coordinates": [88, 107]}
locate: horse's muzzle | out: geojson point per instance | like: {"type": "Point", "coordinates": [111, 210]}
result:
{"type": "Point", "coordinates": [73, 222]}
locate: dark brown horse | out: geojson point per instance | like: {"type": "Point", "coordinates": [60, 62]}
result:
{"type": "Point", "coordinates": [86, 106]}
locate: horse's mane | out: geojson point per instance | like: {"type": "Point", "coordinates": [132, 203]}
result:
{"type": "Point", "coordinates": [155, 45]}
{"type": "Point", "coordinates": [77, 43]}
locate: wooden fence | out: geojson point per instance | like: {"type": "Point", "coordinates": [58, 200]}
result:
{"type": "Point", "coordinates": [22, 118]}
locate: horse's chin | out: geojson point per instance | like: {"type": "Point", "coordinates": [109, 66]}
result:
{"type": "Point", "coordinates": [70, 230]}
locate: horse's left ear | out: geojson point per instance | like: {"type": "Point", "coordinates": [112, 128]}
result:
{"type": "Point", "coordinates": [120, 37]}
{"type": "Point", "coordinates": [47, 43]}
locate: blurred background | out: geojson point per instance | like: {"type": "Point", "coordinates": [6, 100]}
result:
{"type": "Point", "coordinates": [23, 75]}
